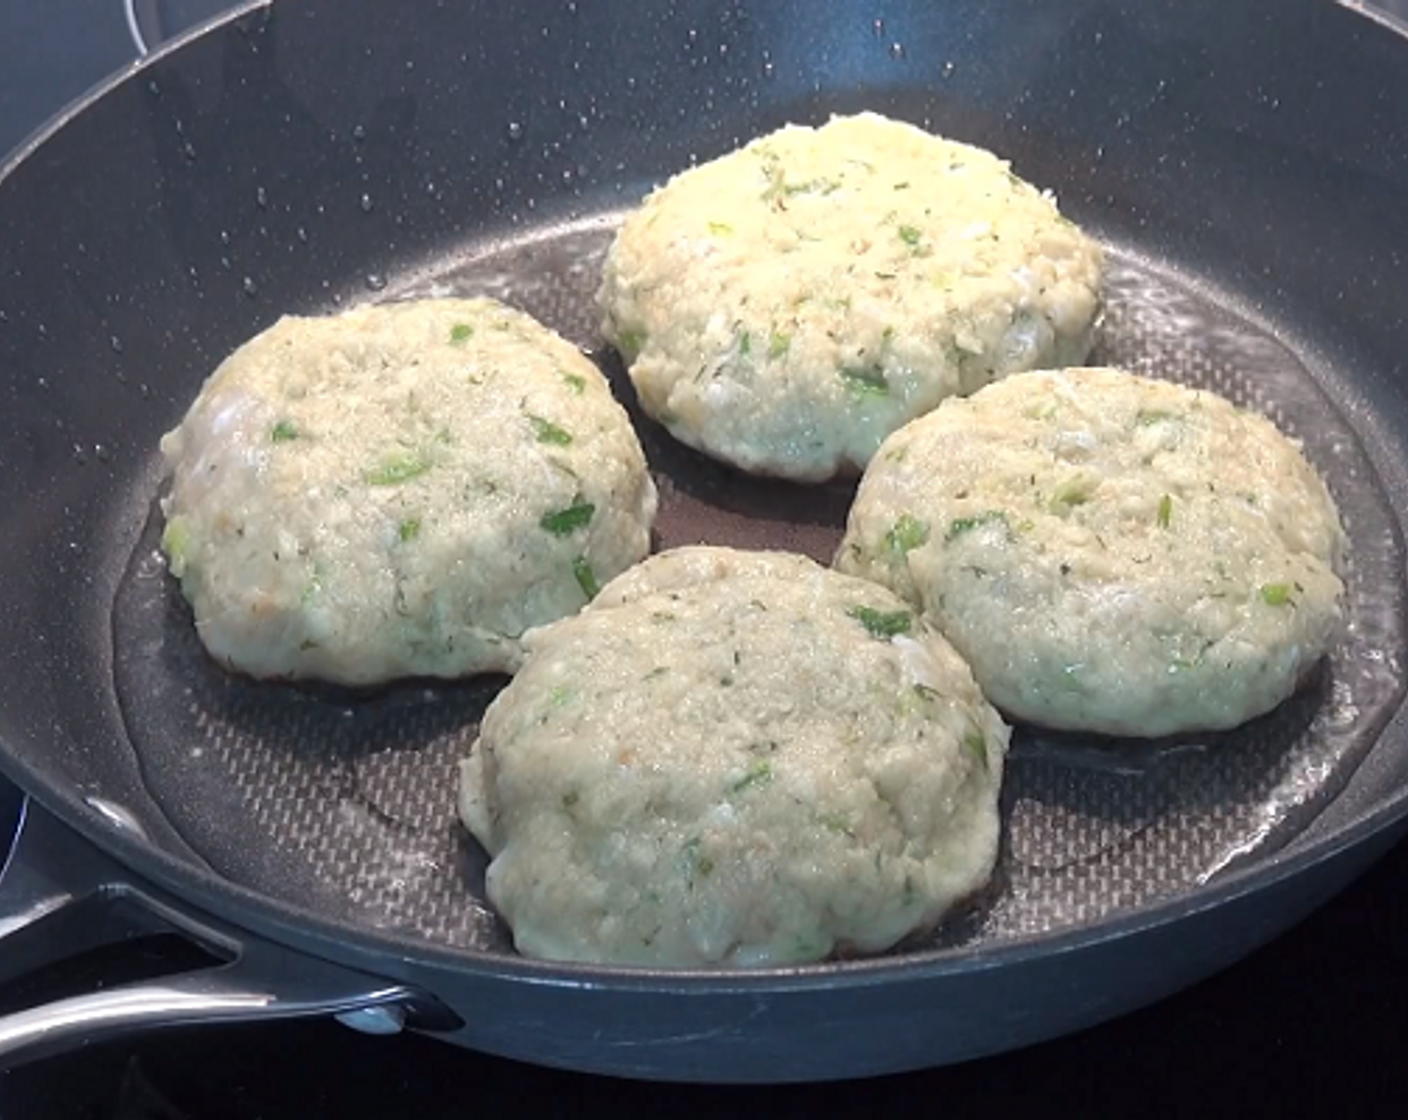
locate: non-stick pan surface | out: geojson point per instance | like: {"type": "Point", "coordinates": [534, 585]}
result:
{"type": "Point", "coordinates": [318, 155]}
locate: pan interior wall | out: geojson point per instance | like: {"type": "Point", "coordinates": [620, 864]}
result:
{"type": "Point", "coordinates": [345, 804]}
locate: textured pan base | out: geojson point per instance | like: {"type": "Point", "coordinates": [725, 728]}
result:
{"type": "Point", "coordinates": [354, 797]}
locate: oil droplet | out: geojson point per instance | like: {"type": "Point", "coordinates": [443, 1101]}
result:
{"type": "Point", "coordinates": [515, 130]}
{"type": "Point", "coordinates": [224, 237]}
{"type": "Point", "coordinates": [261, 198]}
{"type": "Point", "coordinates": [949, 68]}
{"type": "Point", "coordinates": [301, 234]}
{"type": "Point", "coordinates": [155, 87]}
{"type": "Point", "coordinates": [375, 281]}
{"type": "Point", "coordinates": [359, 133]}
{"type": "Point", "coordinates": [768, 70]}
{"type": "Point", "coordinates": [251, 289]}
{"type": "Point", "coordinates": [897, 51]}
{"type": "Point", "coordinates": [367, 204]}
{"type": "Point", "coordinates": [103, 451]}
{"type": "Point", "coordinates": [189, 151]}
{"type": "Point", "coordinates": [80, 454]}
{"type": "Point", "coordinates": [877, 28]}
{"type": "Point", "coordinates": [115, 343]}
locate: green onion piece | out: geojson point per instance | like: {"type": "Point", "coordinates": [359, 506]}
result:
{"type": "Point", "coordinates": [409, 529]}
{"type": "Point", "coordinates": [1072, 492]}
{"type": "Point", "coordinates": [1276, 594]}
{"type": "Point", "coordinates": [564, 522]}
{"type": "Point", "coordinates": [745, 344]}
{"type": "Point", "coordinates": [175, 540]}
{"type": "Point", "coordinates": [575, 381]}
{"type": "Point", "coordinates": [864, 382]}
{"type": "Point", "coordinates": [398, 468]}
{"type": "Point", "coordinates": [910, 235]}
{"type": "Point", "coordinates": [778, 344]}
{"type": "Point", "coordinates": [882, 624]}
{"type": "Point", "coordinates": [812, 186]}
{"type": "Point", "coordinates": [1165, 511]}
{"type": "Point", "coordinates": [901, 186]}
{"type": "Point", "coordinates": [570, 798]}
{"type": "Point", "coordinates": [586, 578]}
{"type": "Point", "coordinates": [282, 432]}
{"type": "Point", "coordinates": [460, 333]}
{"type": "Point", "coordinates": [548, 432]}
{"type": "Point", "coordinates": [835, 822]}
{"type": "Point", "coordinates": [976, 745]}
{"type": "Point", "coordinates": [630, 344]}
{"type": "Point", "coordinates": [721, 228]}
{"type": "Point", "coordinates": [960, 525]}
{"type": "Point", "coordinates": [759, 774]}
{"type": "Point", "coordinates": [907, 534]}
{"type": "Point", "coordinates": [1147, 417]}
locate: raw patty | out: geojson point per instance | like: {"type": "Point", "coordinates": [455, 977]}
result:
{"type": "Point", "coordinates": [734, 758]}
{"type": "Point", "coordinates": [399, 490]}
{"type": "Point", "coordinates": [787, 306]}
{"type": "Point", "coordinates": [1111, 553]}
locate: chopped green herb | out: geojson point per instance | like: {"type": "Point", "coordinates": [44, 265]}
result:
{"type": "Point", "coordinates": [864, 382]}
{"type": "Point", "coordinates": [409, 529]}
{"type": "Point", "coordinates": [721, 228]}
{"type": "Point", "coordinates": [561, 694]}
{"type": "Point", "coordinates": [911, 892]}
{"type": "Point", "coordinates": [548, 432]}
{"type": "Point", "coordinates": [586, 578]}
{"type": "Point", "coordinates": [778, 344]}
{"type": "Point", "coordinates": [882, 624]}
{"type": "Point", "coordinates": [960, 525]}
{"type": "Point", "coordinates": [1073, 492]}
{"type": "Point", "coordinates": [976, 745]}
{"type": "Point", "coordinates": [812, 186]}
{"type": "Point", "coordinates": [1165, 511]}
{"type": "Point", "coordinates": [398, 468]}
{"type": "Point", "coordinates": [175, 539]}
{"type": "Point", "coordinates": [835, 822]}
{"type": "Point", "coordinates": [907, 534]}
{"type": "Point", "coordinates": [1147, 417]}
{"type": "Point", "coordinates": [564, 522]}
{"type": "Point", "coordinates": [575, 381]}
{"type": "Point", "coordinates": [630, 344]}
{"type": "Point", "coordinates": [901, 186]}
{"type": "Point", "coordinates": [759, 774]}
{"type": "Point", "coordinates": [745, 344]}
{"type": "Point", "coordinates": [1276, 594]}
{"type": "Point", "coordinates": [283, 431]}
{"type": "Point", "coordinates": [460, 333]}
{"type": "Point", "coordinates": [910, 235]}
{"type": "Point", "coordinates": [570, 798]}
{"type": "Point", "coordinates": [663, 616]}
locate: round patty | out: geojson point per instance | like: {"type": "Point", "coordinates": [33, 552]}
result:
{"type": "Point", "coordinates": [1111, 553]}
{"type": "Point", "coordinates": [399, 490]}
{"type": "Point", "coordinates": [785, 307]}
{"type": "Point", "coordinates": [734, 758]}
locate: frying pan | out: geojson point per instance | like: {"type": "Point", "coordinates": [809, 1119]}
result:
{"type": "Point", "coordinates": [1246, 163]}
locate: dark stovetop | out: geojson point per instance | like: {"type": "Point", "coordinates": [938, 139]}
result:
{"type": "Point", "coordinates": [1314, 1024]}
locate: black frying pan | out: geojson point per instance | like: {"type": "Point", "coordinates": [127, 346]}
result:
{"type": "Point", "coordinates": [1245, 162]}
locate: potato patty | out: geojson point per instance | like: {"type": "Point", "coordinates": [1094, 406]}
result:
{"type": "Point", "coordinates": [785, 307]}
{"type": "Point", "coordinates": [734, 758]}
{"type": "Point", "coordinates": [1111, 553]}
{"type": "Point", "coordinates": [399, 490]}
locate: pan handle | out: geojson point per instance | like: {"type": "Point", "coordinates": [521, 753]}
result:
{"type": "Point", "coordinates": [60, 894]}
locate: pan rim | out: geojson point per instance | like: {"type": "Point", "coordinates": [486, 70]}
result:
{"type": "Point", "coordinates": [285, 922]}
